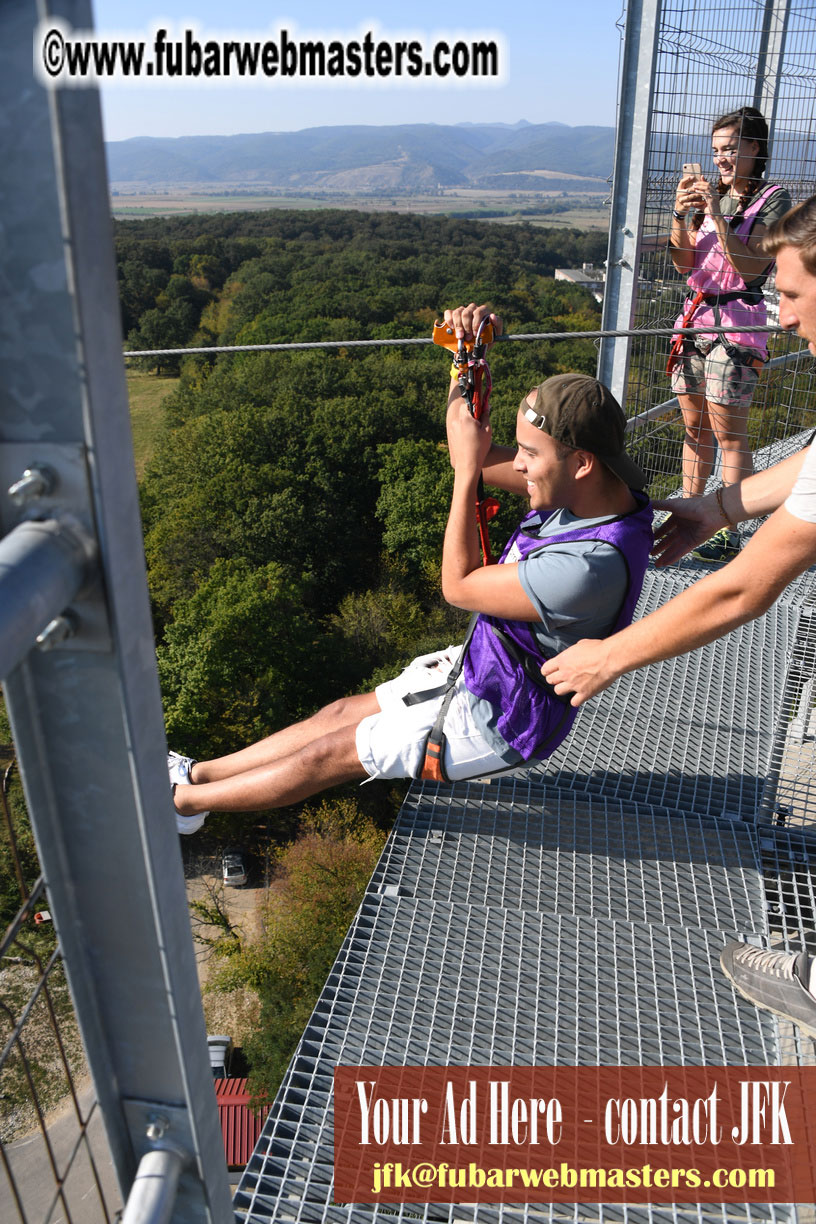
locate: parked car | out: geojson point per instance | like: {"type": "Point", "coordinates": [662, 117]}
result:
{"type": "Point", "coordinates": [233, 868]}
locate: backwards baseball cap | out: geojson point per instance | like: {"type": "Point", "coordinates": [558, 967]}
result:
{"type": "Point", "coordinates": [581, 412]}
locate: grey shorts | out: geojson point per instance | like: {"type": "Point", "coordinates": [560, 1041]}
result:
{"type": "Point", "coordinates": [716, 375]}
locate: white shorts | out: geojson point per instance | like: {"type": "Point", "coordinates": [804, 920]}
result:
{"type": "Point", "coordinates": [391, 744]}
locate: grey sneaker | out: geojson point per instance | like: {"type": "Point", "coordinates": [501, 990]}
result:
{"type": "Point", "coordinates": [723, 546]}
{"type": "Point", "coordinates": [178, 767]}
{"type": "Point", "coordinates": [776, 980]}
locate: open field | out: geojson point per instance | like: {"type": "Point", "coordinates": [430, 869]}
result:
{"type": "Point", "coordinates": [146, 393]}
{"type": "Point", "coordinates": [581, 211]}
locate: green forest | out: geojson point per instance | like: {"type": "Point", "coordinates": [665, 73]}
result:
{"type": "Point", "coordinates": [294, 506]}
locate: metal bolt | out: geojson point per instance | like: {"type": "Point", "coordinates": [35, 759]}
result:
{"type": "Point", "coordinates": [56, 631]}
{"type": "Point", "coordinates": [157, 1127]}
{"type": "Point", "coordinates": [35, 482]}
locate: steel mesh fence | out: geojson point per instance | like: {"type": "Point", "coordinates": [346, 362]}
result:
{"type": "Point", "coordinates": [54, 1162]}
{"type": "Point", "coordinates": [713, 59]}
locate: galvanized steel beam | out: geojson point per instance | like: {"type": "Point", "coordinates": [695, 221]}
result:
{"type": "Point", "coordinates": [628, 189]}
{"type": "Point", "coordinates": [42, 566]}
{"type": "Point", "coordinates": [771, 58]}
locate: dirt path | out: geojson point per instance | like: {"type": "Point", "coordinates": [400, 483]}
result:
{"type": "Point", "coordinates": [242, 906]}
{"type": "Point", "coordinates": [234, 1013]}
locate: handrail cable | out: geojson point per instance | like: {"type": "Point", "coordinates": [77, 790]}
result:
{"type": "Point", "coordinates": [415, 340]}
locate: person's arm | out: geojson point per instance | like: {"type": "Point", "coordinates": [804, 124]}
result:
{"type": "Point", "coordinates": [745, 256]}
{"type": "Point", "coordinates": [498, 464]}
{"type": "Point", "coordinates": [498, 467]}
{"type": "Point", "coordinates": [466, 583]}
{"type": "Point", "coordinates": [782, 549]}
{"type": "Point", "coordinates": [694, 519]}
{"type": "Point", "coordinates": [682, 239]}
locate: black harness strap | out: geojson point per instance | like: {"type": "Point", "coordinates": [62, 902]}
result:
{"type": "Point", "coordinates": [412, 699]}
{"type": "Point", "coordinates": [433, 764]}
{"type": "Point", "coordinates": [433, 767]}
{"type": "Point", "coordinates": [748, 295]}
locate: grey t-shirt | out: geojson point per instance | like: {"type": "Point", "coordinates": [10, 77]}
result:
{"type": "Point", "coordinates": [576, 586]}
{"type": "Point", "coordinates": [776, 205]}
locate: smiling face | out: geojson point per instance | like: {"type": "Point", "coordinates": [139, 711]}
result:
{"type": "Point", "coordinates": [546, 465]}
{"type": "Point", "coordinates": [734, 156]}
{"type": "Point", "coordinates": [797, 295]}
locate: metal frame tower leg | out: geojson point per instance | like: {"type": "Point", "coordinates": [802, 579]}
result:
{"type": "Point", "coordinates": [771, 59]}
{"type": "Point", "coordinates": [628, 189]}
{"type": "Point", "coordinates": [86, 714]}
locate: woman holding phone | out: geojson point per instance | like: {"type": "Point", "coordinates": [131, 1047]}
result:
{"type": "Point", "coordinates": [716, 242]}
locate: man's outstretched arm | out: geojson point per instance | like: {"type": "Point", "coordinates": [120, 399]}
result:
{"type": "Point", "coordinates": [695, 519]}
{"type": "Point", "coordinates": [782, 549]}
{"type": "Point", "coordinates": [497, 468]}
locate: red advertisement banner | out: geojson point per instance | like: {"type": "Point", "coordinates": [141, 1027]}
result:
{"type": "Point", "coordinates": [575, 1134]}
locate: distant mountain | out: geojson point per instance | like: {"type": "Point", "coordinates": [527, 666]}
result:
{"type": "Point", "coordinates": [361, 158]}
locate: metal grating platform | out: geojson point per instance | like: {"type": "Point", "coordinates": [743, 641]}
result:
{"type": "Point", "coordinates": [419, 982]}
{"type": "Point", "coordinates": [803, 588]}
{"type": "Point", "coordinates": [661, 585]}
{"type": "Point", "coordinates": [514, 844]}
{"type": "Point", "coordinates": [425, 980]}
{"type": "Point", "coordinates": [713, 718]}
{"type": "Point", "coordinates": [513, 921]}
{"type": "Point", "coordinates": [688, 570]}
{"type": "Point", "coordinates": [788, 860]}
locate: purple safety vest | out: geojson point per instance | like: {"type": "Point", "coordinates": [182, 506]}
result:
{"type": "Point", "coordinates": [533, 719]}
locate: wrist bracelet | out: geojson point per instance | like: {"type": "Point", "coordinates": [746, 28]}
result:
{"type": "Point", "coordinates": [678, 216]}
{"type": "Point", "coordinates": [719, 498]}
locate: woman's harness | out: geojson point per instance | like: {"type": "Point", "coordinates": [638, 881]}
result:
{"type": "Point", "coordinates": [750, 295]}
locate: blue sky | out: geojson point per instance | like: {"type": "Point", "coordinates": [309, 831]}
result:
{"type": "Point", "coordinates": [561, 66]}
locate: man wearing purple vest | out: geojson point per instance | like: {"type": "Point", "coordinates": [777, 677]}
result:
{"type": "Point", "coordinates": [573, 569]}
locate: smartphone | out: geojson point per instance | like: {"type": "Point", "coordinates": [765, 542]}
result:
{"type": "Point", "coordinates": [692, 168]}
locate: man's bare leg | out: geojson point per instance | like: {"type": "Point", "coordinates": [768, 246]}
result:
{"type": "Point", "coordinates": [324, 762]}
{"type": "Point", "coordinates": [347, 712]}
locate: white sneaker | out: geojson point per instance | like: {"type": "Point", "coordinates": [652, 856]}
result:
{"type": "Point", "coordinates": [179, 767]}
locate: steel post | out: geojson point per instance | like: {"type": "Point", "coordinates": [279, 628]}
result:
{"type": "Point", "coordinates": [770, 59]}
{"type": "Point", "coordinates": [628, 189]}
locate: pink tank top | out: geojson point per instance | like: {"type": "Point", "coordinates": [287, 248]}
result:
{"type": "Point", "coordinates": [713, 274]}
